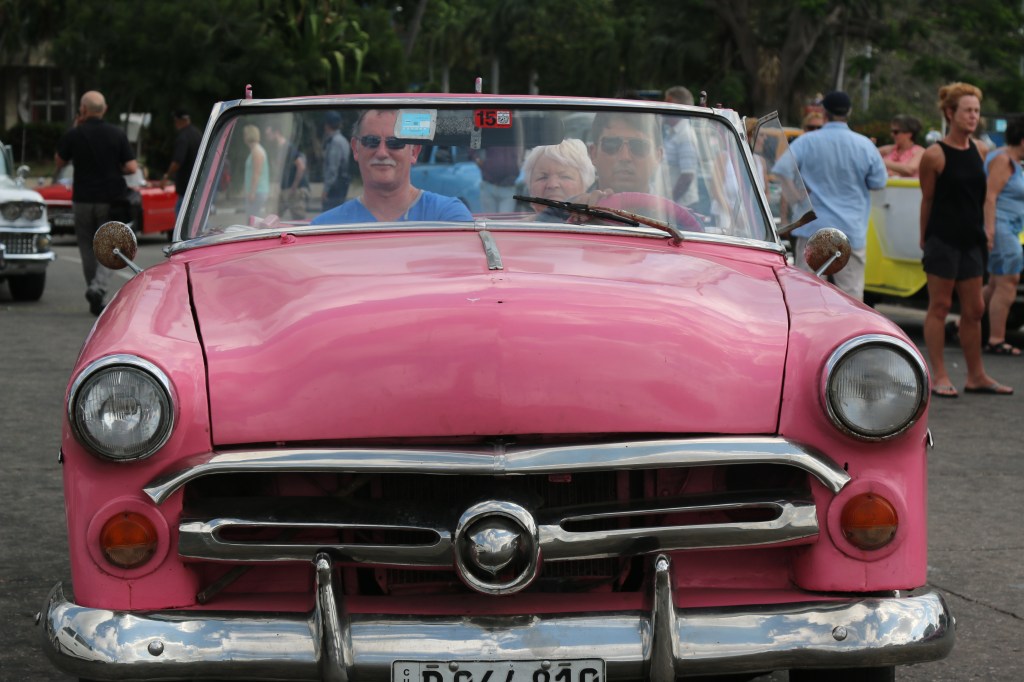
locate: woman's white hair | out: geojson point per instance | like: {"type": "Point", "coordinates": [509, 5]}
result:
{"type": "Point", "coordinates": [571, 152]}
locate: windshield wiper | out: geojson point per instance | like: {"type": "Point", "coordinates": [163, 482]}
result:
{"type": "Point", "coordinates": [607, 213]}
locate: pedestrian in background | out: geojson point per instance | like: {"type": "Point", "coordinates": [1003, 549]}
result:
{"type": "Point", "coordinates": [680, 142]}
{"type": "Point", "coordinates": [102, 157]}
{"type": "Point", "coordinates": [953, 189]}
{"type": "Point", "coordinates": [186, 149]}
{"type": "Point", "coordinates": [291, 169]}
{"type": "Point", "coordinates": [813, 121]}
{"type": "Point", "coordinates": [839, 168]}
{"type": "Point", "coordinates": [903, 157]}
{"type": "Point", "coordinates": [1004, 218]}
{"type": "Point", "coordinates": [257, 172]}
{"type": "Point", "coordinates": [336, 156]}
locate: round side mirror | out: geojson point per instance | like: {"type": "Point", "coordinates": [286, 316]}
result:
{"type": "Point", "coordinates": [828, 250]}
{"type": "Point", "coordinates": [114, 236]}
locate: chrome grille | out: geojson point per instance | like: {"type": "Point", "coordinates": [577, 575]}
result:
{"type": "Point", "coordinates": [17, 243]}
{"type": "Point", "coordinates": [594, 513]}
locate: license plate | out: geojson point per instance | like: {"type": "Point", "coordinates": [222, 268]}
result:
{"type": "Point", "coordinates": [63, 219]}
{"type": "Point", "coordinates": [579, 670]}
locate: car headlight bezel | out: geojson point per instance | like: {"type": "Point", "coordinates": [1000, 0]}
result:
{"type": "Point", "coordinates": [33, 211]}
{"type": "Point", "coordinates": [10, 211]}
{"type": "Point", "coordinates": [839, 360]}
{"type": "Point", "coordinates": [149, 377]}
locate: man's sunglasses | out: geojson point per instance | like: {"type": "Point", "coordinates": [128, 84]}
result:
{"type": "Point", "coordinates": [808, 129]}
{"type": "Point", "coordinates": [638, 147]}
{"type": "Point", "coordinates": [373, 141]}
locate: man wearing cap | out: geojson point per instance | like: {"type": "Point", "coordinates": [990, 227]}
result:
{"type": "Point", "coordinates": [336, 155]}
{"type": "Point", "coordinates": [839, 168]}
{"type": "Point", "coordinates": [186, 149]}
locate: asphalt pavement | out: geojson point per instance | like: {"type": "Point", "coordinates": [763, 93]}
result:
{"type": "Point", "coordinates": [976, 545]}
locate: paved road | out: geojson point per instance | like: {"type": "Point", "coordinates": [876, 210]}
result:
{"type": "Point", "coordinates": [976, 469]}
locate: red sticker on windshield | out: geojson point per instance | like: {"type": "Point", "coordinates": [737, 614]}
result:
{"type": "Point", "coordinates": [492, 118]}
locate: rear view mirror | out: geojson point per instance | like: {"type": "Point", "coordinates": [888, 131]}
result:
{"type": "Point", "coordinates": [827, 251]}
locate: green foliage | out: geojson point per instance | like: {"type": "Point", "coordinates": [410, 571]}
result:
{"type": "Point", "coordinates": [753, 56]}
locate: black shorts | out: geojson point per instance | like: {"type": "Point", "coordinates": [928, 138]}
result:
{"type": "Point", "coordinates": [945, 260]}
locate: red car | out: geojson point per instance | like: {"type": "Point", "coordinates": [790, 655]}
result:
{"type": "Point", "coordinates": [152, 206]}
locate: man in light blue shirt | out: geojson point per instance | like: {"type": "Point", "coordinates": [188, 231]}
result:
{"type": "Point", "coordinates": [839, 168]}
{"type": "Point", "coordinates": [388, 194]}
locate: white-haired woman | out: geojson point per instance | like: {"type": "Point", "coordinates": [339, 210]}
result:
{"type": "Point", "coordinates": [558, 171]}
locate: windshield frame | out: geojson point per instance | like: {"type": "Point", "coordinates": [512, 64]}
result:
{"type": "Point", "coordinates": [227, 114]}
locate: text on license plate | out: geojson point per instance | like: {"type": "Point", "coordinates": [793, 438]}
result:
{"type": "Point", "coordinates": [580, 670]}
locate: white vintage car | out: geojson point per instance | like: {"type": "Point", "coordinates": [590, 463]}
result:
{"type": "Point", "coordinates": [24, 233]}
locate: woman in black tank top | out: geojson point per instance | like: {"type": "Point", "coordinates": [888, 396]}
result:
{"type": "Point", "coordinates": [954, 240]}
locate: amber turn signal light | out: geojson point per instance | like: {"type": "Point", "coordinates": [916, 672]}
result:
{"type": "Point", "coordinates": [128, 540]}
{"type": "Point", "coordinates": [869, 521]}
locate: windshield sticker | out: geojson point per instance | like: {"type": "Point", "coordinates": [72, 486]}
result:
{"type": "Point", "coordinates": [492, 118]}
{"type": "Point", "coordinates": [416, 124]}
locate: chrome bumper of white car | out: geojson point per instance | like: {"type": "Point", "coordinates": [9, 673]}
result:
{"type": "Point", "coordinates": [328, 644]}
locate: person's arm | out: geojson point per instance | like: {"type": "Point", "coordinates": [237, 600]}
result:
{"type": "Point", "coordinates": [908, 169]}
{"type": "Point", "coordinates": [877, 176]}
{"type": "Point", "coordinates": [932, 164]}
{"type": "Point", "coordinates": [258, 159]}
{"type": "Point", "coordinates": [999, 172]}
{"type": "Point", "coordinates": [332, 165]}
{"type": "Point", "coordinates": [300, 172]}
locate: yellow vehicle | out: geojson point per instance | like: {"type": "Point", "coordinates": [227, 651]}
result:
{"type": "Point", "coordinates": [893, 272]}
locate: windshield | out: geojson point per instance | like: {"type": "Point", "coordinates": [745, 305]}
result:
{"type": "Point", "coordinates": [274, 167]}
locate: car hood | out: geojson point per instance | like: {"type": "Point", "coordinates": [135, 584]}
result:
{"type": "Point", "coordinates": [10, 190]}
{"type": "Point", "coordinates": [412, 336]}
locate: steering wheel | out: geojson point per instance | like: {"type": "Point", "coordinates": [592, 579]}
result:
{"type": "Point", "coordinates": [653, 206]}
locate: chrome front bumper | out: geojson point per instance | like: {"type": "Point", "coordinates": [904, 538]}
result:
{"type": "Point", "coordinates": [328, 644]}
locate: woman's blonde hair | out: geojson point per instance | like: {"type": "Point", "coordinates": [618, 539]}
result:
{"type": "Point", "coordinates": [571, 152]}
{"type": "Point", "coordinates": [251, 133]}
{"type": "Point", "coordinates": [950, 94]}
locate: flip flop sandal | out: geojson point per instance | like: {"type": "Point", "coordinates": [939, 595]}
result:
{"type": "Point", "coordinates": [1001, 349]}
{"type": "Point", "coordinates": [991, 389]}
{"type": "Point", "coordinates": [945, 391]}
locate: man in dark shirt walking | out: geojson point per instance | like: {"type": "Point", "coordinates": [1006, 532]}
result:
{"type": "Point", "coordinates": [186, 149]}
{"type": "Point", "coordinates": [102, 157]}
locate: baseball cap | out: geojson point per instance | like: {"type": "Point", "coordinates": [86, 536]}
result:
{"type": "Point", "coordinates": [837, 102]}
{"type": "Point", "coordinates": [333, 119]}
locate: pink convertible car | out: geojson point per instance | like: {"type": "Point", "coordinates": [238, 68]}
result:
{"type": "Point", "coordinates": [599, 430]}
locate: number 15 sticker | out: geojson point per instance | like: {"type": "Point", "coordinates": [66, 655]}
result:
{"type": "Point", "coordinates": [492, 118]}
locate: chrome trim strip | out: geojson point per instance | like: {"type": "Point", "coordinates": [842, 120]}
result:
{"type": "Point", "coordinates": [501, 460]}
{"type": "Point", "coordinates": [254, 234]}
{"type": "Point", "coordinates": [491, 250]}
{"type": "Point", "coordinates": [117, 645]}
{"type": "Point", "coordinates": [793, 522]}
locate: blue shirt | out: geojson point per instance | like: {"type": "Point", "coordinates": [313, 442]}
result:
{"type": "Point", "coordinates": [1010, 201]}
{"type": "Point", "coordinates": [839, 167]}
{"type": "Point", "coordinates": [429, 206]}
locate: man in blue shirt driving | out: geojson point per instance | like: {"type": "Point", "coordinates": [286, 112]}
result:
{"type": "Point", "coordinates": [388, 194]}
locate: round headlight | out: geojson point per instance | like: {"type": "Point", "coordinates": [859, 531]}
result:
{"type": "Point", "coordinates": [10, 211]}
{"type": "Point", "coordinates": [875, 387]}
{"type": "Point", "coordinates": [32, 211]}
{"type": "Point", "coordinates": [121, 408]}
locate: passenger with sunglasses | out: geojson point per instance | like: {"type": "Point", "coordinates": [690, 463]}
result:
{"type": "Point", "coordinates": [388, 194]}
{"type": "Point", "coordinates": [903, 157]}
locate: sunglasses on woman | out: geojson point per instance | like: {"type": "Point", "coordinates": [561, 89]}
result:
{"type": "Point", "coordinates": [373, 141]}
{"type": "Point", "coordinates": [638, 147]}
{"type": "Point", "coordinates": [897, 132]}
